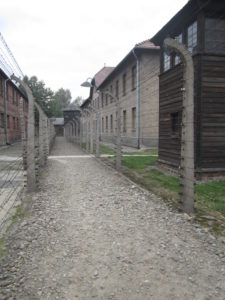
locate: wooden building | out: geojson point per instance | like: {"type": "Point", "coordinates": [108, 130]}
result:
{"type": "Point", "coordinates": [200, 25]}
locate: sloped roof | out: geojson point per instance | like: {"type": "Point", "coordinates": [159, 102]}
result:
{"type": "Point", "coordinates": [57, 121]}
{"type": "Point", "coordinates": [146, 44]}
{"type": "Point", "coordinates": [102, 74]}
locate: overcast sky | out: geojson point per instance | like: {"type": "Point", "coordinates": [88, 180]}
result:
{"type": "Point", "coordinates": [64, 42]}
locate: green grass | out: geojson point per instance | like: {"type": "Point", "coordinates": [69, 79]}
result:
{"type": "Point", "coordinates": [106, 150]}
{"type": "Point", "coordinates": [212, 195]}
{"type": "Point", "coordinates": [145, 152]}
{"type": "Point", "coordinates": [138, 163]}
{"type": "Point", "coordinates": [209, 197]}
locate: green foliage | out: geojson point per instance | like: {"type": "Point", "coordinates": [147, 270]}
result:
{"type": "Point", "coordinates": [52, 103]}
{"type": "Point", "coordinates": [60, 100]}
{"type": "Point", "coordinates": [41, 94]}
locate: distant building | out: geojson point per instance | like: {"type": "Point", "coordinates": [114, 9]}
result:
{"type": "Point", "coordinates": [58, 125]}
{"type": "Point", "coordinates": [200, 25]}
{"type": "Point", "coordinates": [72, 117]}
{"type": "Point", "coordinates": [134, 81]}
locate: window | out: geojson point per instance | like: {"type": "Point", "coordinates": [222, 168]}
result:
{"type": "Point", "coordinates": [17, 123]}
{"type": "Point", "coordinates": [192, 37]}
{"type": "Point", "coordinates": [98, 102]}
{"type": "Point", "coordinates": [106, 124]}
{"type": "Point", "coordinates": [106, 99]}
{"type": "Point", "coordinates": [1, 86]}
{"type": "Point", "coordinates": [13, 96]}
{"type": "Point", "coordinates": [2, 120]}
{"type": "Point", "coordinates": [177, 58]}
{"type": "Point", "coordinates": [14, 123]}
{"type": "Point", "coordinates": [8, 121]}
{"type": "Point", "coordinates": [215, 35]}
{"type": "Point", "coordinates": [124, 120]}
{"type": "Point", "coordinates": [102, 100]}
{"type": "Point", "coordinates": [117, 88]}
{"type": "Point", "coordinates": [111, 91]}
{"type": "Point", "coordinates": [133, 118]}
{"type": "Point", "coordinates": [167, 62]}
{"type": "Point", "coordinates": [134, 77]}
{"type": "Point", "coordinates": [111, 123]}
{"type": "Point", "coordinates": [175, 123]}
{"type": "Point", "coordinates": [17, 99]}
{"type": "Point", "coordinates": [102, 124]}
{"type": "Point", "coordinates": [124, 83]}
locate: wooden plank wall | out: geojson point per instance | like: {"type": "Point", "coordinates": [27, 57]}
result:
{"type": "Point", "coordinates": [212, 147]}
{"type": "Point", "coordinates": [170, 101]}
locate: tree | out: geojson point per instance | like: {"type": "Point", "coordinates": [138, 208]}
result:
{"type": "Point", "coordinates": [77, 102]}
{"type": "Point", "coordinates": [41, 94]}
{"type": "Point", "coordinates": [60, 100]}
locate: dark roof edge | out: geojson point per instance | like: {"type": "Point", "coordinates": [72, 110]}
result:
{"type": "Point", "coordinates": [172, 22]}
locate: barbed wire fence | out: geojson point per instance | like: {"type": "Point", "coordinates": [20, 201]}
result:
{"type": "Point", "coordinates": [19, 172]}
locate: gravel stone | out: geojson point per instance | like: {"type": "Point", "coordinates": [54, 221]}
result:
{"type": "Point", "coordinates": [92, 233]}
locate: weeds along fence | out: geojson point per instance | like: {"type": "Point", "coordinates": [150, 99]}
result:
{"type": "Point", "coordinates": [21, 161]}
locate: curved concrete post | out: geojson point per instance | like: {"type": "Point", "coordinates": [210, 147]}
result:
{"type": "Point", "coordinates": [118, 131]}
{"type": "Point", "coordinates": [31, 176]}
{"type": "Point", "coordinates": [41, 134]}
{"type": "Point", "coordinates": [187, 137]}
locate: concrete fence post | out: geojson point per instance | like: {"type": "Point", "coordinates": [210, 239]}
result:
{"type": "Point", "coordinates": [91, 133]}
{"type": "Point", "coordinates": [41, 135]}
{"type": "Point", "coordinates": [31, 176]}
{"type": "Point", "coordinates": [118, 136]}
{"type": "Point", "coordinates": [23, 134]}
{"type": "Point", "coordinates": [98, 135]}
{"type": "Point", "coordinates": [87, 136]}
{"type": "Point", "coordinates": [187, 135]}
{"type": "Point", "coordinates": [81, 131]}
{"type": "Point", "coordinates": [45, 120]}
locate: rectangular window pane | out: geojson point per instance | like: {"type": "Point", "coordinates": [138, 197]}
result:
{"type": "Point", "coordinates": [177, 58]}
{"type": "Point", "coordinates": [215, 35]}
{"type": "Point", "coordinates": [133, 118]}
{"type": "Point", "coordinates": [167, 62]}
{"type": "Point", "coordinates": [124, 121]}
{"type": "Point", "coordinates": [192, 37]}
{"type": "Point", "coordinates": [134, 77]}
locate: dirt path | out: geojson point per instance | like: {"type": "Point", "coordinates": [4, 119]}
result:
{"type": "Point", "coordinates": [94, 235]}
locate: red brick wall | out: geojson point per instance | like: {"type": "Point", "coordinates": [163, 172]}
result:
{"type": "Point", "coordinates": [13, 98]}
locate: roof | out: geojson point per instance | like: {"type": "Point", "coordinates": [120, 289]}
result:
{"type": "Point", "coordinates": [85, 103]}
{"type": "Point", "coordinates": [102, 74]}
{"type": "Point", "coordinates": [71, 108]}
{"type": "Point", "coordinates": [185, 16]}
{"type": "Point", "coordinates": [57, 121]}
{"type": "Point", "coordinates": [146, 45]}
{"type": "Point", "coordinates": [18, 88]}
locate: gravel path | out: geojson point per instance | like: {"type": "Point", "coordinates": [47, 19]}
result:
{"type": "Point", "coordinates": [92, 234]}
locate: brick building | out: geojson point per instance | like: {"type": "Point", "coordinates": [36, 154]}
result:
{"type": "Point", "coordinates": [134, 81]}
{"type": "Point", "coordinates": [10, 109]}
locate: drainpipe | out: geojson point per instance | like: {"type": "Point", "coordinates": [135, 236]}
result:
{"type": "Point", "coordinates": [5, 113]}
{"type": "Point", "coordinates": [138, 99]}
